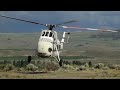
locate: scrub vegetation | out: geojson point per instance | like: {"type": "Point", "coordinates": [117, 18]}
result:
{"type": "Point", "coordinates": [89, 55]}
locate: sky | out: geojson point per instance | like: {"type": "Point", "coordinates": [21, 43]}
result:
{"type": "Point", "coordinates": [87, 19]}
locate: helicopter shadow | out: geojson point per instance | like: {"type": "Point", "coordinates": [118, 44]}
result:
{"type": "Point", "coordinates": [31, 72]}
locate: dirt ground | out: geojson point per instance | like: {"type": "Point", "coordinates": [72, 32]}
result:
{"type": "Point", "coordinates": [87, 74]}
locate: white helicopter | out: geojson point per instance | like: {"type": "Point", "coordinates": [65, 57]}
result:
{"type": "Point", "coordinates": [49, 45]}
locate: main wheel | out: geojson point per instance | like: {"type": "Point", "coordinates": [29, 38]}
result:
{"type": "Point", "coordinates": [29, 59]}
{"type": "Point", "coordinates": [61, 62]}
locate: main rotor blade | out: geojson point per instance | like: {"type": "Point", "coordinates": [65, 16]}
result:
{"type": "Point", "coordinates": [21, 20]}
{"type": "Point", "coordinates": [90, 29]}
{"type": "Point", "coordinates": [67, 22]}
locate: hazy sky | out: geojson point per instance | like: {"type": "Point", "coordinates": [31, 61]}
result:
{"type": "Point", "coordinates": [87, 19]}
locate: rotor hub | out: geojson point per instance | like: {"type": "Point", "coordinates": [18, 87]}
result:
{"type": "Point", "coordinates": [50, 26]}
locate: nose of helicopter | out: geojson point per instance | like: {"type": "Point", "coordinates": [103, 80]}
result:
{"type": "Point", "coordinates": [43, 53]}
{"type": "Point", "coordinates": [44, 49]}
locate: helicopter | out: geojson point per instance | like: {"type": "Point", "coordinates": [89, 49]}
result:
{"type": "Point", "coordinates": [48, 44]}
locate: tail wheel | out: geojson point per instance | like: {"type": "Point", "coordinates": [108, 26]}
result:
{"type": "Point", "coordinates": [61, 62]}
{"type": "Point", "coordinates": [29, 59]}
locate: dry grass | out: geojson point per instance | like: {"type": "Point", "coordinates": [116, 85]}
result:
{"type": "Point", "coordinates": [65, 74]}
{"type": "Point", "coordinates": [105, 50]}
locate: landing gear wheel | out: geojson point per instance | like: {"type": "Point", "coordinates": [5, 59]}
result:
{"type": "Point", "coordinates": [29, 59]}
{"type": "Point", "coordinates": [61, 62]}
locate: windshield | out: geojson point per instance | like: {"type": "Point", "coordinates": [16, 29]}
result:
{"type": "Point", "coordinates": [50, 35]}
{"type": "Point", "coordinates": [47, 33]}
{"type": "Point", "coordinates": [43, 33]}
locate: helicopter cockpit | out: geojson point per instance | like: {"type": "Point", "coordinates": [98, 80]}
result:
{"type": "Point", "coordinates": [47, 33]}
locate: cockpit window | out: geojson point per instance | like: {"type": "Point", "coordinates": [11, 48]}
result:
{"type": "Point", "coordinates": [50, 35]}
{"type": "Point", "coordinates": [43, 34]}
{"type": "Point", "coordinates": [46, 33]}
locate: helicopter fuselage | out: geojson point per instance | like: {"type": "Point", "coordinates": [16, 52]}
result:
{"type": "Point", "coordinates": [46, 44]}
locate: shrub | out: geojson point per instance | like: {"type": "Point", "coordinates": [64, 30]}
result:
{"type": "Point", "coordinates": [5, 62]}
{"type": "Point", "coordinates": [20, 69]}
{"type": "Point", "coordinates": [8, 67]}
{"type": "Point", "coordinates": [90, 64]}
{"type": "Point", "coordinates": [117, 67]}
{"type": "Point", "coordinates": [114, 66]}
{"type": "Point", "coordinates": [14, 63]}
{"type": "Point", "coordinates": [2, 66]}
{"type": "Point", "coordinates": [66, 62]}
{"type": "Point", "coordinates": [21, 63]}
{"type": "Point", "coordinates": [51, 66]}
{"type": "Point", "coordinates": [73, 62]}
{"type": "Point", "coordinates": [1, 62]}
{"type": "Point", "coordinates": [92, 68]}
{"type": "Point", "coordinates": [38, 62]}
{"type": "Point", "coordinates": [82, 67]}
{"type": "Point", "coordinates": [31, 67]}
{"type": "Point", "coordinates": [77, 63]}
{"type": "Point", "coordinates": [41, 65]}
{"type": "Point", "coordinates": [99, 65]}
{"type": "Point", "coordinates": [68, 67]}
{"type": "Point", "coordinates": [111, 66]}
{"type": "Point", "coordinates": [105, 68]}
{"type": "Point", "coordinates": [33, 62]}
{"type": "Point", "coordinates": [86, 65]}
